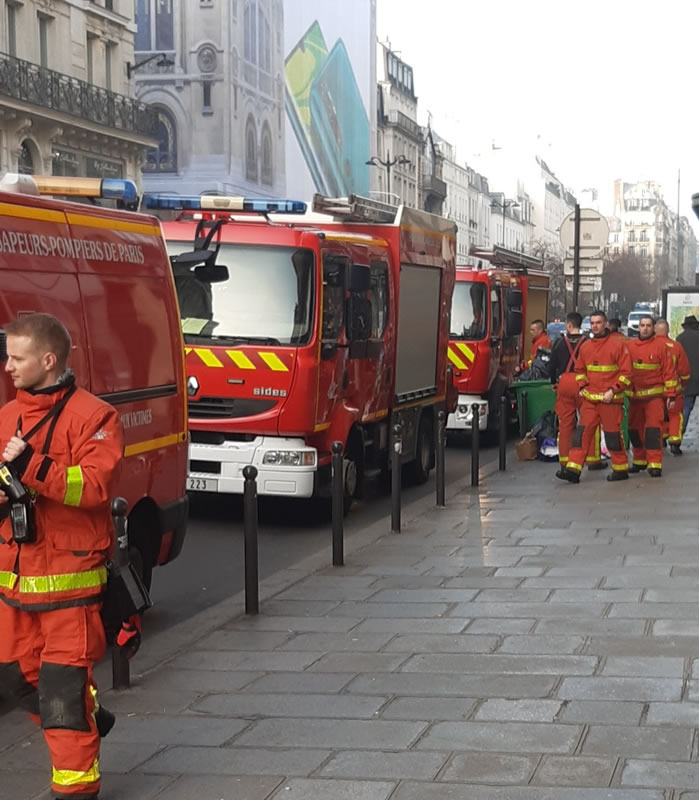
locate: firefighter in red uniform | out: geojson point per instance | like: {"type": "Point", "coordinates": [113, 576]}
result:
{"type": "Point", "coordinates": [539, 339]}
{"type": "Point", "coordinates": [603, 373]}
{"type": "Point", "coordinates": [653, 379]}
{"type": "Point", "coordinates": [65, 446]}
{"type": "Point", "coordinates": [675, 405]}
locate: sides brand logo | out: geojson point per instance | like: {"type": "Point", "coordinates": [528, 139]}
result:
{"type": "Point", "coordinates": [268, 391]}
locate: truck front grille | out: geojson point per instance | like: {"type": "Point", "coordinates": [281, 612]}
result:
{"type": "Point", "coordinates": [229, 407]}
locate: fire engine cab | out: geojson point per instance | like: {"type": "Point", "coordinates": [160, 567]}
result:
{"type": "Point", "coordinates": [493, 305]}
{"type": "Point", "coordinates": [303, 329]}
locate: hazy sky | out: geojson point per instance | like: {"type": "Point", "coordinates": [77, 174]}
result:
{"type": "Point", "coordinates": [612, 88]}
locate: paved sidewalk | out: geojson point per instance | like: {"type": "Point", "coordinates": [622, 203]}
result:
{"type": "Point", "coordinates": [533, 641]}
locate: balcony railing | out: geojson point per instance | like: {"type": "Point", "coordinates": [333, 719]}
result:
{"type": "Point", "coordinates": [30, 83]}
{"type": "Point", "coordinates": [435, 186]}
{"type": "Point", "coordinates": [404, 123]}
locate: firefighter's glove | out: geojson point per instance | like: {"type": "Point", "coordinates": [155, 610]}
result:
{"type": "Point", "coordinates": [129, 637]}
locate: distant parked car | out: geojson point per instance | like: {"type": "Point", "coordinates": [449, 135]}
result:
{"type": "Point", "coordinates": [555, 329]}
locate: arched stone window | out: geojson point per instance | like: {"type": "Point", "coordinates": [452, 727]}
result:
{"type": "Point", "coordinates": [251, 171]}
{"type": "Point", "coordinates": [267, 156]}
{"type": "Point", "coordinates": [163, 158]}
{"type": "Point", "coordinates": [25, 160]}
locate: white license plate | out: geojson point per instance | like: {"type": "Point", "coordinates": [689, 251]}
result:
{"type": "Point", "coordinates": [202, 485]}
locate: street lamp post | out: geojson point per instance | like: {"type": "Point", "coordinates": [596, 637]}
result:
{"type": "Point", "coordinates": [505, 204]}
{"type": "Point", "coordinates": [375, 161]}
{"type": "Point", "coordinates": [165, 61]}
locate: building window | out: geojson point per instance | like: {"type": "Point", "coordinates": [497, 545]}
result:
{"type": "Point", "coordinates": [64, 163]}
{"type": "Point", "coordinates": [632, 250]}
{"type": "Point", "coordinates": [644, 236]}
{"type": "Point", "coordinates": [267, 159]}
{"type": "Point", "coordinates": [163, 158]}
{"type": "Point", "coordinates": [264, 43]}
{"type": "Point", "coordinates": [155, 25]}
{"type": "Point", "coordinates": [44, 23]}
{"type": "Point", "coordinates": [103, 168]}
{"type": "Point", "coordinates": [206, 98]}
{"type": "Point", "coordinates": [644, 252]}
{"type": "Point", "coordinates": [257, 37]}
{"type": "Point", "coordinates": [109, 5]}
{"type": "Point", "coordinates": [251, 150]}
{"type": "Point", "coordinates": [11, 29]}
{"type": "Point", "coordinates": [25, 161]}
{"type": "Point", "coordinates": [250, 41]}
{"type": "Point", "coordinates": [90, 48]}
{"type": "Point", "coordinates": [108, 66]}
{"type": "Point", "coordinates": [632, 236]}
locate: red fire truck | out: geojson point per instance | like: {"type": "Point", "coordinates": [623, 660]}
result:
{"type": "Point", "coordinates": [105, 273]}
{"type": "Point", "coordinates": [305, 329]}
{"type": "Point", "coordinates": [493, 305]}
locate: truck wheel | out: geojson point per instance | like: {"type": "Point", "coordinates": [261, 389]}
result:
{"type": "Point", "coordinates": [353, 476]}
{"type": "Point", "coordinates": [418, 470]}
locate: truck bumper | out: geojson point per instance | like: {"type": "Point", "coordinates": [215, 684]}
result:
{"type": "Point", "coordinates": [460, 420]}
{"type": "Point", "coordinates": [219, 468]}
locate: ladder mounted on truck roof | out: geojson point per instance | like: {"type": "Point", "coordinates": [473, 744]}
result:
{"type": "Point", "coordinates": [500, 256]}
{"type": "Point", "coordinates": [355, 208]}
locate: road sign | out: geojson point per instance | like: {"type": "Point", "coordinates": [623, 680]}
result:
{"type": "Point", "coordinates": [594, 232]}
{"type": "Point", "coordinates": [588, 266]}
{"type": "Point", "coordinates": [591, 284]}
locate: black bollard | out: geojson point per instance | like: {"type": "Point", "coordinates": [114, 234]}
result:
{"type": "Point", "coordinates": [396, 450]}
{"type": "Point", "coordinates": [121, 672]}
{"type": "Point", "coordinates": [523, 415]}
{"type": "Point", "coordinates": [440, 452]}
{"type": "Point", "coordinates": [503, 433]}
{"type": "Point", "coordinates": [475, 444]}
{"type": "Point", "coordinates": [252, 588]}
{"type": "Point", "coordinates": [338, 505]}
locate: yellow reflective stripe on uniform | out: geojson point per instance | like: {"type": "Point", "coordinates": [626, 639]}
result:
{"type": "Point", "coordinates": [650, 392]}
{"type": "Point", "coordinates": [624, 379]}
{"type": "Point", "coordinates": [639, 462]}
{"type": "Point", "coordinates": [580, 378]}
{"type": "Point", "coordinates": [602, 367]}
{"type": "Point", "coordinates": [641, 365]}
{"type": "Point", "coordinates": [685, 377]}
{"type": "Point", "coordinates": [43, 584]}
{"type": "Point", "coordinates": [670, 384]}
{"type": "Point", "coordinates": [467, 351]}
{"type": "Point", "coordinates": [8, 580]}
{"type": "Point", "coordinates": [74, 486]}
{"type": "Point", "coordinates": [654, 465]}
{"type": "Point", "coordinates": [273, 361]}
{"type": "Point", "coordinates": [598, 396]}
{"type": "Point", "coordinates": [455, 360]}
{"type": "Point", "coordinates": [620, 467]}
{"type": "Point", "coordinates": [73, 777]}
{"type": "Point", "coordinates": [240, 359]}
{"type": "Point", "coordinates": [574, 466]}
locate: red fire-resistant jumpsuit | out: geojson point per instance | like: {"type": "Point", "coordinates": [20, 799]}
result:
{"type": "Point", "coordinates": [568, 399]}
{"type": "Point", "coordinates": [653, 379]}
{"type": "Point", "coordinates": [51, 633]}
{"type": "Point", "coordinates": [542, 340]}
{"type": "Point", "coordinates": [603, 363]}
{"type": "Point", "coordinates": [672, 429]}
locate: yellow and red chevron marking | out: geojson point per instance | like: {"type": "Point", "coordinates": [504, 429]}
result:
{"type": "Point", "coordinates": [259, 359]}
{"type": "Point", "coordinates": [461, 355]}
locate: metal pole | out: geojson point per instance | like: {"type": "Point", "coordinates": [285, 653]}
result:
{"type": "Point", "coordinates": [441, 458]}
{"type": "Point", "coordinates": [121, 673]}
{"type": "Point", "coordinates": [338, 505]}
{"type": "Point", "coordinates": [504, 215]}
{"type": "Point", "coordinates": [475, 445]}
{"type": "Point", "coordinates": [679, 259]}
{"type": "Point", "coordinates": [503, 433]}
{"type": "Point", "coordinates": [523, 415]}
{"type": "Point", "coordinates": [388, 164]}
{"type": "Point", "coordinates": [576, 258]}
{"type": "Point", "coordinates": [252, 588]}
{"type": "Point", "coordinates": [395, 478]}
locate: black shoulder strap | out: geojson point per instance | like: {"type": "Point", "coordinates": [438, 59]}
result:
{"type": "Point", "coordinates": [573, 352]}
{"type": "Point", "coordinates": [52, 415]}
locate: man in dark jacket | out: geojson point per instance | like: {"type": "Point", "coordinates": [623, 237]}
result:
{"type": "Point", "coordinates": [689, 339]}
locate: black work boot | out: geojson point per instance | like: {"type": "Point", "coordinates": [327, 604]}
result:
{"type": "Point", "coordinates": [655, 473]}
{"type": "Point", "coordinates": [572, 476]}
{"type": "Point", "coordinates": [562, 474]}
{"type": "Point", "coordinates": [618, 476]}
{"type": "Point", "coordinates": [676, 450]}
{"type": "Point", "coordinates": [596, 465]}
{"type": "Point", "coordinates": [104, 720]}
{"type": "Point", "coordinates": [634, 468]}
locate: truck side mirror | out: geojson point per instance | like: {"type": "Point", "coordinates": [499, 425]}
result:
{"type": "Point", "coordinates": [358, 317]}
{"type": "Point", "coordinates": [514, 299]}
{"type": "Point", "coordinates": [513, 322]}
{"type": "Point", "coordinates": [359, 278]}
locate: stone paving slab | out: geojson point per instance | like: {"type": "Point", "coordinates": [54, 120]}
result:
{"type": "Point", "coordinates": [533, 641]}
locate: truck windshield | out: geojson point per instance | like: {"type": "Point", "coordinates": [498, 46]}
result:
{"type": "Point", "coordinates": [468, 307]}
{"type": "Point", "coordinates": [267, 299]}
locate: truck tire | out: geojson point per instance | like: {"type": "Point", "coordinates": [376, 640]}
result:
{"type": "Point", "coordinates": [353, 471]}
{"type": "Point", "coordinates": [418, 471]}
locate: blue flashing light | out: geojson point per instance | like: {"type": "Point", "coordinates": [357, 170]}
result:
{"type": "Point", "coordinates": [179, 202]}
{"type": "Point", "coordinates": [118, 189]}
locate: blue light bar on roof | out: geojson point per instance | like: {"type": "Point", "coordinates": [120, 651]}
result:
{"type": "Point", "coordinates": [117, 189]}
{"type": "Point", "coordinates": [184, 202]}
{"type": "Point", "coordinates": [106, 188]}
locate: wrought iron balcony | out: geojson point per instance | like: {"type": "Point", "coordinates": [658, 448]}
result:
{"type": "Point", "coordinates": [30, 83]}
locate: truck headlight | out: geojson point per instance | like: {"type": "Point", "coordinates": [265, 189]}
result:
{"type": "Point", "coordinates": [290, 458]}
